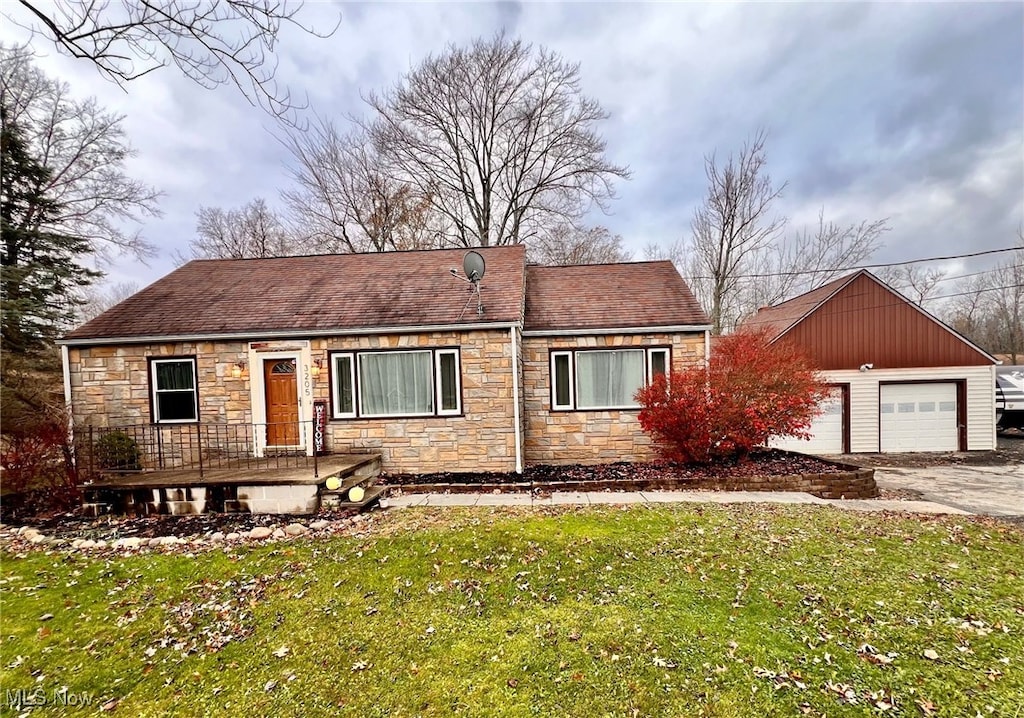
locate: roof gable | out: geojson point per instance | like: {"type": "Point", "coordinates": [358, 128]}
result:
{"type": "Point", "coordinates": [858, 319]}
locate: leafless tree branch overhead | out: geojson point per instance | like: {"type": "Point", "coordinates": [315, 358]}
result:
{"type": "Point", "coordinates": [86, 150]}
{"type": "Point", "coordinates": [228, 42]}
{"type": "Point", "coordinates": [499, 136]}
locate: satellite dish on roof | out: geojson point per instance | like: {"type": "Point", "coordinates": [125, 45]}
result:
{"type": "Point", "coordinates": [474, 266]}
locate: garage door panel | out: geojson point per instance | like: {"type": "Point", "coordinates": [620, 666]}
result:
{"type": "Point", "coordinates": [826, 430]}
{"type": "Point", "coordinates": [918, 417]}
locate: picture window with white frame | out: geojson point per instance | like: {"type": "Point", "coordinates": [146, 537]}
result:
{"type": "Point", "coordinates": [603, 379]}
{"type": "Point", "coordinates": [402, 383]}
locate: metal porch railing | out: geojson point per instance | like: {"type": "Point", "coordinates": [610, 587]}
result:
{"type": "Point", "coordinates": [198, 446]}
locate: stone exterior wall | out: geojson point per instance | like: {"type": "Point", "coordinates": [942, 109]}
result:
{"type": "Point", "coordinates": [482, 439]}
{"type": "Point", "coordinates": [110, 385]}
{"type": "Point", "coordinates": [110, 388]}
{"type": "Point", "coordinates": [587, 437]}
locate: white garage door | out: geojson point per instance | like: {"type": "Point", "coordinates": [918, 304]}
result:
{"type": "Point", "coordinates": [918, 417]}
{"type": "Point", "coordinates": [826, 430]}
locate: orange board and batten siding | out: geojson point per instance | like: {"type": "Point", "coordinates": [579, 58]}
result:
{"type": "Point", "coordinates": [865, 322]}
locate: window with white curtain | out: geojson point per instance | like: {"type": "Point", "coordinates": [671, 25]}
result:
{"type": "Point", "coordinates": [396, 383]}
{"type": "Point", "coordinates": [603, 378]}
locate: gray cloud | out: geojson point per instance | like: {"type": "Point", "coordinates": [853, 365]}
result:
{"type": "Point", "coordinates": [911, 111]}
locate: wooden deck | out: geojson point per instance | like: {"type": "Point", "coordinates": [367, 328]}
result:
{"type": "Point", "coordinates": [254, 473]}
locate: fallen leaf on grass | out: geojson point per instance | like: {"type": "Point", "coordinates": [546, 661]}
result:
{"type": "Point", "coordinates": [931, 654]}
{"type": "Point", "coordinates": [282, 652]}
{"type": "Point", "coordinates": [843, 690]}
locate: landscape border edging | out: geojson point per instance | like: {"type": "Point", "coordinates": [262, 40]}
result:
{"type": "Point", "coordinates": [851, 482]}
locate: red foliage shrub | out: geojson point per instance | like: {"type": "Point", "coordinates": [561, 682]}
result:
{"type": "Point", "coordinates": [751, 390]}
{"type": "Point", "coordinates": [38, 467]}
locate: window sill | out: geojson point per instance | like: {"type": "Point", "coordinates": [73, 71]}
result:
{"type": "Point", "coordinates": [396, 417]}
{"type": "Point", "coordinates": [589, 410]}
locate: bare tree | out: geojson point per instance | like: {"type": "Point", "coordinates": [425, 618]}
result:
{"type": "Point", "coordinates": [567, 244]}
{"type": "Point", "coordinates": [808, 259]}
{"type": "Point", "coordinates": [251, 231]}
{"type": "Point", "coordinates": [85, 149]}
{"type": "Point", "coordinates": [346, 199]}
{"type": "Point", "coordinates": [499, 137]}
{"type": "Point", "coordinates": [675, 251]}
{"type": "Point", "coordinates": [98, 299]}
{"type": "Point", "coordinates": [213, 43]}
{"type": "Point", "coordinates": [732, 226]}
{"type": "Point", "coordinates": [1006, 289]}
{"type": "Point", "coordinates": [988, 308]}
{"type": "Point", "coordinates": [916, 283]}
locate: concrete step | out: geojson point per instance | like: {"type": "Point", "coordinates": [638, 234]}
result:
{"type": "Point", "coordinates": [362, 473]}
{"type": "Point", "coordinates": [371, 497]}
{"type": "Point", "coordinates": [367, 466]}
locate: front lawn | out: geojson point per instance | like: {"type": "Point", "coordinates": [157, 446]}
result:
{"type": "Point", "coordinates": [720, 611]}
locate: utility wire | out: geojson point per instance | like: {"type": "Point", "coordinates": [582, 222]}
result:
{"type": "Point", "coordinates": [832, 270]}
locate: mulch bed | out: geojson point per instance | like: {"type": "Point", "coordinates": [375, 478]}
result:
{"type": "Point", "coordinates": [760, 464]}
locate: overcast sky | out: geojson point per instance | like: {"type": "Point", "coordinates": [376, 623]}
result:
{"type": "Point", "coordinates": [909, 111]}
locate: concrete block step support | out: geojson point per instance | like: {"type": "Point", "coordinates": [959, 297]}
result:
{"type": "Point", "coordinates": [95, 509]}
{"type": "Point", "coordinates": [180, 508]}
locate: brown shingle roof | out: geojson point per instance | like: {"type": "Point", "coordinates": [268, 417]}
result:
{"type": "Point", "coordinates": [595, 296]}
{"type": "Point", "coordinates": [316, 293]}
{"type": "Point", "coordinates": [780, 317]}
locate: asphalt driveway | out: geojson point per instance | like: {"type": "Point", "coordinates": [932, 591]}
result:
{"type": "Point", "coordinates": [991, 490]}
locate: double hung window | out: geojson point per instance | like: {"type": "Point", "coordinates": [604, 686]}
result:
{"type": "Point", "coordinates": [172, 385]}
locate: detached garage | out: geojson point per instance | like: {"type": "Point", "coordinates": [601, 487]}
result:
{"type": "Point", "coordinates": [903, 380]}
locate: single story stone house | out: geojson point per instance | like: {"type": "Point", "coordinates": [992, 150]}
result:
{"type": "Point", "coordinates": [394, 354]}
{"type": "Point", "coordinates": [902, 380]}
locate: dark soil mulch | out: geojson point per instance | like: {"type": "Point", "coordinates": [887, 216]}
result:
{"type": "Point", "coordinates": [109, 528]}
{"type": "Point", "coordinates": [761, 463]}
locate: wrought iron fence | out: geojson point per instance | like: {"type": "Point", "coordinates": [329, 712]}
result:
{"type": "Point", "coordinates": [199, 446]}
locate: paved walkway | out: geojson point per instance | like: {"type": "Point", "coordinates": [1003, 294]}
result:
{"type": "Point", "coordinates": [667, 497]}
{"type": "Point", "coordinates": [991, 490]}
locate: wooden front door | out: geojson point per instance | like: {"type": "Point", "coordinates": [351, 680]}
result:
{"type": "Point", "coordinates": [282, 397]}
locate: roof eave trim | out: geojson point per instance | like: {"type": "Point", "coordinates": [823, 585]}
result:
{"type": "Point", "coordinates": [590, 331]}
{"type": "Point", "coordinates": [285, 334]}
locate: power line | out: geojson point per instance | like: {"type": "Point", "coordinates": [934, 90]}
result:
{"type": "Point", "coordinates": [974, 274]}
{"type": "Point", "coordinates": [832, 270]}
{"type": "Point", "coordinates": [975, 291]}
